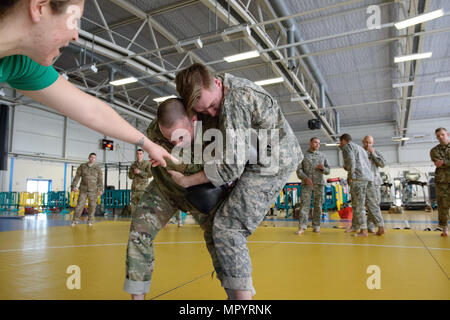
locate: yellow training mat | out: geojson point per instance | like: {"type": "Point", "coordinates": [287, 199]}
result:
{"type": "Point", "coordinates": [330, 265]}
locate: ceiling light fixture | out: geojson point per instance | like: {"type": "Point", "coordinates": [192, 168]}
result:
{"type": "Point", "coordinates": [446, 79]}
{"type": "Point", "coordinates": [269, 81]}
{"type": "Point", "coordinates": [161, 99]}
{"type": "Point", "coordinates": [399, 139]}
{"type": "Point", "coordinates": [419, 19]}
{"type": "Point", "coordinates": [416, 56]}
{"type": "Point", "coordinates": [242, 56]}
{"type": "Point", "coordinates": [403, 84]}
{"type": "Point", "coordinates": [123, 81]}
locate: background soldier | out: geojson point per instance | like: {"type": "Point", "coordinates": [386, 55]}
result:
{"type": "Point", "coordinates": [362, 189]}
{"type": "Point", "coordinates": [91, 187]}
{"type": "Point", "coordinates": [440, 155]}
{"type": "Point", "coordinates": [376, 161]}
{"type": "Point", "coordinates": [140, 172]}
{"type": "Point", "coordinates": [312, 170]}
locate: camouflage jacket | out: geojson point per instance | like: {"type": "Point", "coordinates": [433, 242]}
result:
{"type": "Point", "coordinates": [441, 152]}
{"type": "Point", "coordinates": [140, 180]}
{"type": "Point", "coordinates": [308, 167]}
{"type": "Point", "coordinates": [91, 178]}
{"type": "Point", "coordinates": [174, 193]}
{"type": "Point", "coordinates": [247, 107]}
{"type": "Point", "coordinates": [376, 161]}
{"type": "Point", "coordinates": [357, 162]}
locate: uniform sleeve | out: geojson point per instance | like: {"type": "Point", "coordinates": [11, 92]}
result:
{"type": "Point", "coordinates": [100, 180]}
{"type": "Point", "coordinates": [300, 173]}
{"type": "Point", "coordinates": [131, 172]}
{"type": "Point", "coordinates": [326, 166]}
{"type": "Point", "coordinates": [148, 171]}
{"type": "Point", "coordinates": [378, 159]}
{"type": "Point", "coordinates": [237, 118]}
{"type": "Point", "coordinates": [77, 178]}
{"type": "Point", "coordinates": [349, 160]}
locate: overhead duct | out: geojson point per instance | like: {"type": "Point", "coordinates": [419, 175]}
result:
{"type": "Point", "coordinates": [292, 64]}
{"type": "Point", "coordinates": [279, 7]}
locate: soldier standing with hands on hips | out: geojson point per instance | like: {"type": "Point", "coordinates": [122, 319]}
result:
{"type": "Point", "coordinates": [91, 187]}
{"type": "Point", "coordinates": [312, 170]}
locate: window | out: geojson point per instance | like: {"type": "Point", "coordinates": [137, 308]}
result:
{"type": "Point", "coordinates": [38, 185]}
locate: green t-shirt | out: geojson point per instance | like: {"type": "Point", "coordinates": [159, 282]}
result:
{"type": "Point", "coordinates": [22, 73]}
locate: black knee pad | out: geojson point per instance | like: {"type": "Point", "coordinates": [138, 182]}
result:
{"type": "Point", "coordinates": [206, 197]}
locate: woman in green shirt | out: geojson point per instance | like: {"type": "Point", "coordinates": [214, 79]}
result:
{"type": "Point", "coordinates": [31, 35]}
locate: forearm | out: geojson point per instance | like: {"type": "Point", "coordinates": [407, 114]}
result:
{"type": "Point", "coordinates": [196, 178]}
{"type": "Point", "coordinates": [301, 174]}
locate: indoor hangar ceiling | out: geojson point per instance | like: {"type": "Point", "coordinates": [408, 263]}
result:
{"type": "Point", "coordinates": [336, 60]}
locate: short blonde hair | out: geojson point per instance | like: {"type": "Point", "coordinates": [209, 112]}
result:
{"type": "Point", "coordinates": [190, 83]}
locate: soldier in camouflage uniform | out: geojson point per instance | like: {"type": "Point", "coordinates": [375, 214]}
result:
{"type": "Point", "coordinates": [376, 161]}
{"type": "Point", "coordinates": [312, 171]}
{"type": "Point", "coordinates": [362, 190]}
{"type": "Point", "coordinates": [140, 172]}
{"type": "Point", "coordinates": [161, 200]}
{"type": "Point", "coordinates": [440, 155]}
{"type": "Point", "coordinates": [239, 104]}
{"type": "Point", "coordinates": [91, 187]}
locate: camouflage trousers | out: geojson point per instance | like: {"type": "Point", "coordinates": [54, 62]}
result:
{"type": "Point", "coordinates": [82, 196]}
{"type": "Point", "coordinates": [238, 217]}
{"type": "Point", "coordinates": [364, 194]}
{"type": "Point", "coordinates": [443, 202]}
{"type": "Point", "coordinates": [225, 232]}
{"type": "Point", "coordinates": [135, 197]}
{"type": "Point", "coordinates": [318, 194]}
{"type": "Point", "coordinates": [152, 213]}
{"type": "Point", "coordinates": [371, 221]}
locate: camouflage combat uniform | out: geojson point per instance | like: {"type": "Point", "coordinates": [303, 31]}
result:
{"type": "Point", "coordinates": [376, 161]}
{"type": "Point", "coordinates": [362, 188]}
{"type": "Point", "coordinates": [245, 106]}
{"type": "Point", "coordinates": [140, 181]}
{"type": "Point", "coordinates": [442, 180]}
{"type": "Point", "coordinates": [161, 200]}
{"type": "Point", "coordinates": [91, 184]}
{"type": "Point", "coordinates": [308, 169]}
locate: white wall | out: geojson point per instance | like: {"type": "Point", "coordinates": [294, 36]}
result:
{"type": "Point", "coordinates": [37, 145]}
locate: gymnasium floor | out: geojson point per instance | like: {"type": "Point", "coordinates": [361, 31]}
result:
{"type": "Point", "coordinates": [36, 251]}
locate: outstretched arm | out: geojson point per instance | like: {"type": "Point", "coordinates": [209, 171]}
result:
{"type": "Point", "coordinates": [95, 114]}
